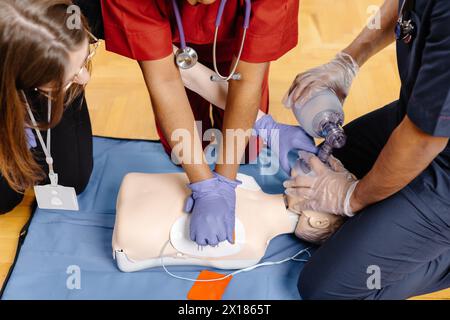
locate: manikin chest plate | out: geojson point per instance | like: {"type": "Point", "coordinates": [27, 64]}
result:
{"type": "Point", "coordinates": [180, 240]}
{"type": "Point", "coordinates": [179, 233]}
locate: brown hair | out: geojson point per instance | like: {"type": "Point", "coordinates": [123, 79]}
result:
{"type": "Point", "coordinates": [35, 46]}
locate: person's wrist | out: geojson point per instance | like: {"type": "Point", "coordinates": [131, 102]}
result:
{"type": "Point", "coordinates": [355, 201]}
{"type": "Point", "coordinates": [203, 185]}
{"type": "Point", "coordinates": [349, 60]}
{"type": "Point", "coordinates": [265, 122]}
{"type": "Point", "coordinates": [232, 183]}
{"type": "Point", "coordinates": [357, 54]}
{"type": "Point", "coordinates": [264, 126]}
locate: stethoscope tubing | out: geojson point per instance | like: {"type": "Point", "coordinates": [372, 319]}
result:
{"type": "Point", "coordinates": [233, 74]}
{"type": "Point", "coordinates": [179, 24]}
{"type": "Point", "coordinates": [218, 76]}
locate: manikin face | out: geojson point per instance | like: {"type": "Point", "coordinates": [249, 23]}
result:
{"type": "Point", "coordinates": [195, 2]}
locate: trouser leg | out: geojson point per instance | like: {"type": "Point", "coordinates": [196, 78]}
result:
{"type": "Point", "coordinates": [404, 246]}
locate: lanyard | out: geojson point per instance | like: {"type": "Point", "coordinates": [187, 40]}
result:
{"type": "Point", "coordinates": [45, 147]}
{"type": "Point", "coordinates": [407, 7]}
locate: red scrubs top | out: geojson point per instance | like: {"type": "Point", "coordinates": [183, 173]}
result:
{"type": "Point", "coordinates": [145, 29]}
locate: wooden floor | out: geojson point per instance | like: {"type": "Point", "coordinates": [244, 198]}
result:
{"type": "Point", "coordinates": [120, 106]}
{"type": "Point", "coordinates": [10, 226]}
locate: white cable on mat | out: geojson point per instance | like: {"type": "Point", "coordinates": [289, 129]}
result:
{"type": "Point", "coordinates": [267, 263]}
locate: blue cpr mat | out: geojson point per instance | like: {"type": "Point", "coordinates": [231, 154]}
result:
{"type": "Point", "coordinates": [57, 242]}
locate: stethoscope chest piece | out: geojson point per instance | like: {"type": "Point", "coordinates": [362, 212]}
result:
{"type": "Point", "coordinates": [186, 58]}
{"type": "Point", "coordinates": [406, 30]}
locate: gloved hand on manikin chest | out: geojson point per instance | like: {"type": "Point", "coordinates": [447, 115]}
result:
{"type": "Point", "coordinates": [212, 205]}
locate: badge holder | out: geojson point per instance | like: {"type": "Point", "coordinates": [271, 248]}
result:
{"type": "Point", "coordinates": [52, 196]}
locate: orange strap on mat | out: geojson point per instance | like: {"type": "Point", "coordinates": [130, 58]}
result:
{"type": "Point", "coordinates": [209, 290]}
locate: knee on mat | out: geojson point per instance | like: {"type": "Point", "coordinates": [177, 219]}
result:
{"type": "Point", "coordinates": [81, 187]}
{"type": "Point", "coordinates": [78, 181]}
{"type": "Point", "coordinates": [311, 286]}
{"type": "Point", "coordinates": [82, 182]}
{"type": "Point", "coordinates": [4, 211]}
{"type": "Point", "coordinates": [315, 283]}
{"type": "Point", "coordinates": [9, 205]}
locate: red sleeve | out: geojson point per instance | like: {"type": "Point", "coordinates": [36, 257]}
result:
{"type": "Point", "coordinates": [273, 30]}
{"type": "Point", "coordinates": [137, 29]}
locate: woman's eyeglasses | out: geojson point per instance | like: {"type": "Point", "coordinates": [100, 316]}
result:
{"type": "Point", "coordinates": [93, 46]}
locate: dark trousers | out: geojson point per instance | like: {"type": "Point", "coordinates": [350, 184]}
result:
{"type": "Point", "coordinates": [71, 148]}
{"type": "Point", "coordinates": [406, 237]}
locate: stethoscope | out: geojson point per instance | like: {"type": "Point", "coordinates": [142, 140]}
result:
{"type": "Point", "coordinates": [187, 57]}
{"type": "Point", "coordinates": [405, 29]}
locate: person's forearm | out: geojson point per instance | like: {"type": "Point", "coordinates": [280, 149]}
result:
{"type": "Point", "coordinates": [372, 40]}
{"type": "Point", "coordinates": [243, 101]}
{"type": "Point", "coordinates": [198, 79]}
{"type": "Point", "coordinates": [174, 115]}
{"type": "Point", "coordinates": [407, 153]}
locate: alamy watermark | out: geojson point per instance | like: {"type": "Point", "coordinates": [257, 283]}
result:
{"type": "Point", "coordinates": [374, 280]}
{"type": "Point", "coordinates": [73, 281]}
{"type": "Point", "coordinates": [73, 21]}
{"type": "Point", "coordinates": [374, 21]}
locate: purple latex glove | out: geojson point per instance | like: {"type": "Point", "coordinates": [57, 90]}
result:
{"type": "Point", "coordinates": [31, 140]}
{"type": "Point", "coordinates": [289, 137]}
{"type": "Point", "coordinates": [212, 204]}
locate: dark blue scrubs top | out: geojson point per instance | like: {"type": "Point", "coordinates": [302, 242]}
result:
{"type": "Point", "coordinates": [424, 67]}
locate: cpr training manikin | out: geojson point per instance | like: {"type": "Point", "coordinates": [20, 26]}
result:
{"type": "Point", "coordinates": [151, 227]}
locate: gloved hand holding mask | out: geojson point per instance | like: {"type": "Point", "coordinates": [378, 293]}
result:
{"type": "Point", "coordinates": [337, 76]}
{"type": "Point", "coordinates": [329, 189]}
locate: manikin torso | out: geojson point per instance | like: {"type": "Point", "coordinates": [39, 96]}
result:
{"type": "Point", "coordinates": [149, 205]}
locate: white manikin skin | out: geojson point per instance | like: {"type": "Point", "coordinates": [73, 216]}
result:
{"type": "Point", "coordinates": [148, 205]}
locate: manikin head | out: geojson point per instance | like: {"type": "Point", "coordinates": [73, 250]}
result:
{"type": "Point", "coordinates": [314, 227]}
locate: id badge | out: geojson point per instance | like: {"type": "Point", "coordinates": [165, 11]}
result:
{"type": "Point", "coordinates": [56, 198]}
